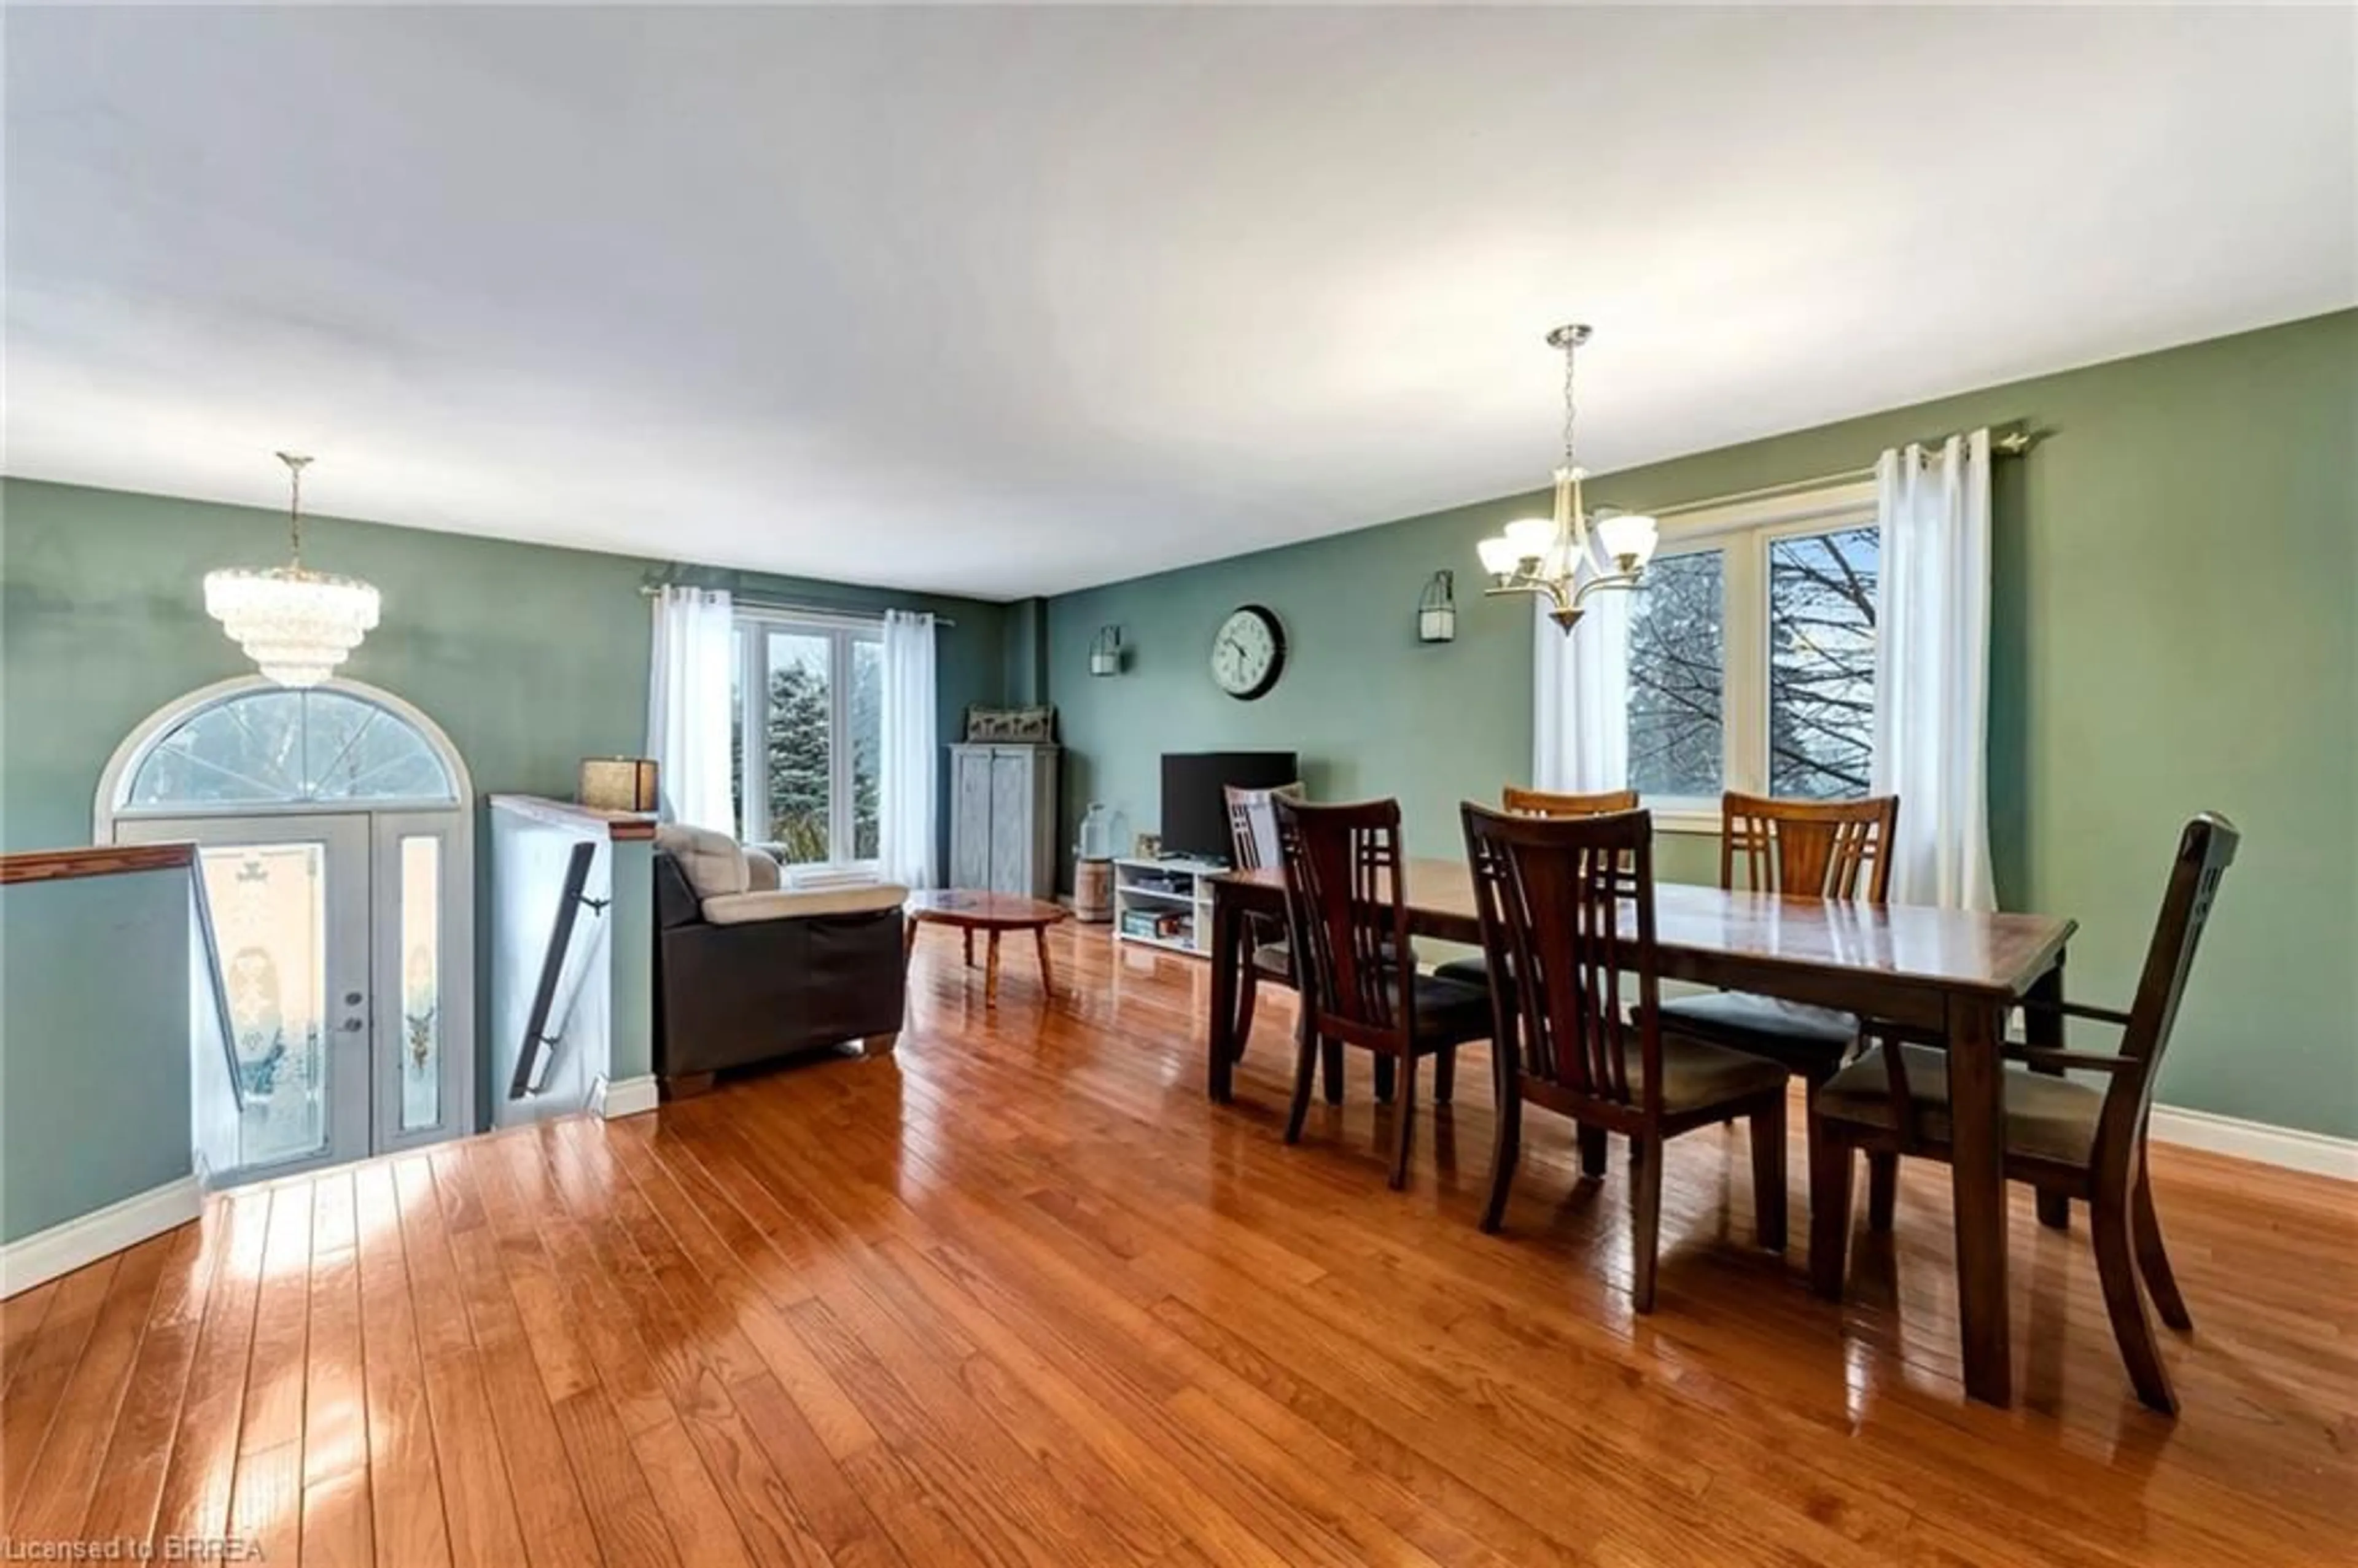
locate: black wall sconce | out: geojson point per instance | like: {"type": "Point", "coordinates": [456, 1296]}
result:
{"type": "Point", "coordinates": [1436, 609]}
{"type": "Point", "coordinates": [1104, 652]}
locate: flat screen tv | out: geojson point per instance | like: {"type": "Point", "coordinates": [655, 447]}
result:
{"type": "Point", "coordinates": [1195, 809]}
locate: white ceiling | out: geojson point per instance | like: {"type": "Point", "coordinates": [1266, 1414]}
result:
{"type": "Point", "coordinates": [1008, 302]}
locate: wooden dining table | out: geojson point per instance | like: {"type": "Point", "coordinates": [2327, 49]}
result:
{"type": "Point", "coordinates": [1941, 975]}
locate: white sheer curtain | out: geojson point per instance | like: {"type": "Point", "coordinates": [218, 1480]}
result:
{"type": "Point", "coordinates": [1932, 670]}
{"type": "Point", "coordinates": [904, 813]}
{"type": "Point", "coordinates": [1580, 699]}
{"type": "Point", "coordinates": [687, 707]}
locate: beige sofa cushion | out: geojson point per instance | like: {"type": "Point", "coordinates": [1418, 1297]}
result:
{"type": "Point", "coordinates": [761, 874]}
{"type": "Point", "coordinates": [742, 908]}
{"type": "Point", "coordinates": [712, 863]}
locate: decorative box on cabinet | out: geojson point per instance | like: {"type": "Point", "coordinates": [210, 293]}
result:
{"type": "Point", "coordinates": [1003, 818]}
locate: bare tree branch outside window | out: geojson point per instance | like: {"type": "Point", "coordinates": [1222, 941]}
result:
{"type": "Point", "coordinates": [1822, 662]}
{"type": "Point", "coordinates": [1822, 651]}
{"type": "Point", "coordinates": [1677, 668]}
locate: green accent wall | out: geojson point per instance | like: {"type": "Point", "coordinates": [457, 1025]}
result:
{"type": "Point", "coordinates": [531, 658]}
{"type": "Point", "coordinates": [93, 1073]}
{"type": "Point", "coordinates": [2175, 586]}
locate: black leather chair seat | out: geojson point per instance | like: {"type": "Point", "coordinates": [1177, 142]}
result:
{"type": "Point", "coordinates": [1473, 971]}
{"type": "Point", "coordinates": [1811, 1041]}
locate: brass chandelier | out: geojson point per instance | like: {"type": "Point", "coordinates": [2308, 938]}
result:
{"type": "Point", "coordinates": [1565, 558]}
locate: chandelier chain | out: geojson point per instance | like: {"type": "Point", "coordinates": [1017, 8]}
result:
{"type": "Point", "coordinates": [1570, 348]}
{"type": "Point", "coordinates": [295, 463]}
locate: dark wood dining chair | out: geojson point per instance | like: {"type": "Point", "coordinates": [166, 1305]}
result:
{"type": "Point", "coordinates": [1346, 916]}
{"type": "Point", "coordinates": [1549, 893]}
{"type": "Point", "coordinates": [1804, 848]}
{"type": "Point", "coordinates": [2064, 1138]}
{"type": "Point", "coordinates": [1252, 844]}
{"type": "Point", "coordinates": [1520, 802]}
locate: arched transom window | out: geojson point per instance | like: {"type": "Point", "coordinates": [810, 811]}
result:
{"type": "Point", "coordinates": [265, 746]}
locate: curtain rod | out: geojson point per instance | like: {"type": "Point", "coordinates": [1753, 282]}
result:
{"type": "Point", "coordinates": [2011, 442]}
{"type": "Point", "coordinates": [833, 611]}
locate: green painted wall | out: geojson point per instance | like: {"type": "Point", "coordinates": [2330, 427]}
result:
{"type": "Point", "coordinates": [531, 658]}
{"type": "Point", "coordinates": [93, 1073]}
{"type": "Point", "coordinates": [2176, 580]}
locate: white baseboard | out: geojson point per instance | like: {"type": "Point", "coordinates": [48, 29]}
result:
{"type": "Point", "coordinates": [62, 1249]}
{"type": "Point", "coordinates": [613, 1097]}
{"type": "Point", "coordinates": [2286, 1146]}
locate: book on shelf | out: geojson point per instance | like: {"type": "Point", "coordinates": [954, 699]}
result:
{"type": "Point", "coordinates": [1167, 926]}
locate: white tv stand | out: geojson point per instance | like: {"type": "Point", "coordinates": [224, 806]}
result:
{"type": "Point", "coordinates": [1173, 888]}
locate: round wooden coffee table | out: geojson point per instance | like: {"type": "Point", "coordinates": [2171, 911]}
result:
{"type": "Point", "coordinates": [990, 912]}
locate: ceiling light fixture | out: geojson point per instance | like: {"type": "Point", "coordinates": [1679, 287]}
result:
{"type": "Point", "coordinates": [296, 625]}
{"type": "Point", "coordinates": [1553, 558]}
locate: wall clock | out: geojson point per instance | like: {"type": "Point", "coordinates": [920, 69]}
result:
{"type": "Point", "coordinates": [1248, 653]}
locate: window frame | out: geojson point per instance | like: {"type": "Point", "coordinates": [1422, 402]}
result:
{"type": "Point", "coordinates": [753, 626]}
{"type": "Point", "coordinates": [1742, 530]}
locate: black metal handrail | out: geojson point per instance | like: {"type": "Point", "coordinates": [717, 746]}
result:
{"type": "Point", "coordinates": [538, 1042]}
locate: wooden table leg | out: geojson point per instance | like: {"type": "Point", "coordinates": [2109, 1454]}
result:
{"type": "Point", "coordinates": [968, 932]}
{"type": "Point", "coordinates": [1219, 1045]}
{"type": "Point", "coordinates": [991, 973]}
{"type": "Point", "coordinates": [2044, 1026]}
{"type": "Point", "coordinates": [1047, 975]}
{"type": "Point", "coordinates": [1977, 1179]}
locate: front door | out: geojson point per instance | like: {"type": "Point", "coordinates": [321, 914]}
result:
{"type": "Point", "coordinates": [327, 931]}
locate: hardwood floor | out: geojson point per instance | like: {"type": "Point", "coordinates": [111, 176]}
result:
{"type": "Point", "coordinates": [1018, 1295]}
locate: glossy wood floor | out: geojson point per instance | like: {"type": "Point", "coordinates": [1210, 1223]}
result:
{"type": "Point", "coordinates": [1021, 1296]}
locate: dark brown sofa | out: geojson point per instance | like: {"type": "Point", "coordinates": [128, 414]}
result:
{"type": "Point", "coordinates": [756, 975]}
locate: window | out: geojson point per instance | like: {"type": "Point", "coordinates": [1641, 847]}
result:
{"type": "Point", "coordinates": [1752, 653]}
{"type": "Point", "coordinates": [265, 746]}
{"type": "Point", "coordinates": [813, 692]}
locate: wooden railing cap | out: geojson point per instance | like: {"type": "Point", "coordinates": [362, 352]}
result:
{"type": "Point", "coordinates": [93, 860]}
{"type": "Point", "coordinates": [618, 825]}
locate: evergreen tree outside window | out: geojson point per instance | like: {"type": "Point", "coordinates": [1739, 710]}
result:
{"type": "Point", "coordinates": [813, 692]}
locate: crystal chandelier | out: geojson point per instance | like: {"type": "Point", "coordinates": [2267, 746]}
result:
{"type": "Point", "coordinates": [1553, 556]}
{"type": "Point", "coordinates": [295, 626]}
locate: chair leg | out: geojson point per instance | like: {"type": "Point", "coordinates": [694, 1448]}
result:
{"type": "Point", "coordinates": [1769, 1176]}
{"type": "Point", "coordinates": [1644, 1218]}
{"type": "Point", "coordinates": [1384, 1078]}
{"type": "Point", "coordinates": [2109, 1225]}
{"type": "Point", "coordinates": [1592, 1151]}
{"type": "Point", "coordinates": [1404, 1111]}
{"type": "Point", "coordinates": [1305, 1067]}
{"type": "Point", "coordinates": [1505, 1152]}
{"type": "Point", "coordinates": [1248, 992]}
{"type": "Point", "coordinates": [1330, 1056]}
{"type": "Point", "coordinates": [2054, 1211]}
{"type": "Point", "coordinates": [1830, 1166]}
{"type": "Point", "coordinates": [1445, 1074]}
{"type": "Point", "coordinates": [2153, 1262]}
{"type": "Point", "coordinates": [1882, 1188]}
